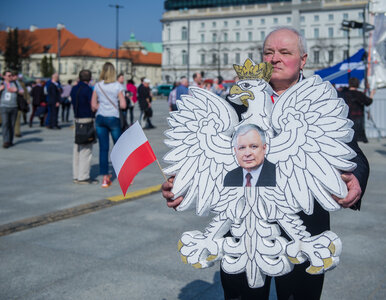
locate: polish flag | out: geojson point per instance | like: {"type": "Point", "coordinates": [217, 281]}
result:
{"type": "Point", "coordinates": [130, 154]}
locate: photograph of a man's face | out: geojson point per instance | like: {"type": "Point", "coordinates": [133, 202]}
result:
{"type": "Point", "coordinates": [250, 148]}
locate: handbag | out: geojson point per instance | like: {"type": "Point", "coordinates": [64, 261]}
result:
{"type": "Point", "coordinates": [22, 104]}
{"type": "Point", "coordinates": [85, 132]}
{"type": "Point", "coordinates": [122, 119]}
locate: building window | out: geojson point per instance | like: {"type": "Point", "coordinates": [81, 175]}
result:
{"type": "Point", "coordinates": [330, 32]}
{"type": "Point", "coordinates": [184, 33]}
{"type": "Point", "coordinates": [250, 55]}
{"type": "Point", "coordinates": [168, 56]}
{"type": "Point", "coordinates": [225, 23]}
{"type": "Point", "coordinates": [184, 57]}
{"type": "Point", "coordinates": [202, 59]}
{"type": "Point", "coordinates": [345, 33]}
{"type": "Point", "coordinates": [74, 68]}
{"type": "Point", "coordinates": [237, 22]}
{"type": "Point", "coordinates": [250, 22]}
{"type": "Point", "coordinates": [302, 32]}
{"type": "Point", "coordinates": [202, 38]}
{"type": "Point", "coordinates": [262, 35]}
{"type": "Point", "coordinates": [225, 59]}
{"type": "Point", "coordinates": [202, 25]}
{"type": "Point", "coordinates": [316, 57]}
{"type": "Point", "coordinates": [360, 15]}
{"type": "Point", "coordinates": [225, 37]}
{"type": "Point", "coordinates": [316, 33]}
{"type": "Point", "coordinates": [316, 18]}
{"type": "Point", "coordinates": [262, 21]}
{"type": "Point", "coordinates": [275, 20]}
{"type": "Point", "coordinates": [237, 36]}
{"type": "Point", "coordinates": [345, 54]}
{"type": "Point", "coordinates": [289, 20]}
{"type": "Point", "coordinates": [302, 19]}
{"type": "Point", "coordinates": [331, 17]}
{"type": "Point", "coordinates": [237, 58]}
{"type": "Point", "coordinates": [214, 24]}
{"type": "Point", "coordinates": [214, 37]}
{"type": "Point", "coordinates": [330, 56]}
{"type": "Point", "coordinates": [250, 36]}
{"type": "Point", "coordinates": [214, 58]}
{"type": "Point", "coordinates": [169, 34]}
{"type": "Point", "coordinates": [345, 16]}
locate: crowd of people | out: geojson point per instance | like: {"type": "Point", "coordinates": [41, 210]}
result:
{"type": "Point", "coordinates": [109, 102]}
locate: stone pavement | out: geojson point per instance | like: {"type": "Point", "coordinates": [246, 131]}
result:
{"type": "Point", "coordinates": [129, 250]}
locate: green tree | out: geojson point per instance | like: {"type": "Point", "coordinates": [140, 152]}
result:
{"type": "Point", "coordinates": [44, 67]}
{"type": "Point", "coordinates": [12, 55]}
{"type": "Point", "coordinates": [50, 67]}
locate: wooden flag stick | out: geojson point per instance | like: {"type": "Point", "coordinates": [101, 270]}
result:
{"type": "Point", "coordinates": [161, 170]}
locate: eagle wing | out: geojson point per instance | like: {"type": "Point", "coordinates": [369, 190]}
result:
{"type": "Point", "coordinates": [309, 147]}
{"type": "Point", "coordinates": [200, 136]}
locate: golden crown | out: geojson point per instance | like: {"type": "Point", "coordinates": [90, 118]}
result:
{"type": "Point", "coordinates": [250, 70]}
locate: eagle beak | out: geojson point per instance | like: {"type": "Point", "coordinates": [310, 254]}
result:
{"type": "Point", "coordinates": [244, 96]}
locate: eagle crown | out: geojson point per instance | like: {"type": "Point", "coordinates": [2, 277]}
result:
{"type": "Point", "coordinates": [250, 70]}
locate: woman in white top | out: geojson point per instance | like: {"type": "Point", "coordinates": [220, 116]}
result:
{"type": "Point", "coordinates": [106, 100]}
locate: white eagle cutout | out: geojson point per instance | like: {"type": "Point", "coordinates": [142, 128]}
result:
{"type": "Point", "coordinates": [306, 134]}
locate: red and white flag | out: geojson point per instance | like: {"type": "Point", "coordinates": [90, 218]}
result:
{"type": "Point", "coordinates": [131, 153]}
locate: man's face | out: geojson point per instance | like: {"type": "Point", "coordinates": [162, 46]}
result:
{"type": "Point", "coordinates": [198, 78]}
{"type": "Point", "coordinates": [250, 150]}
{"type": "Point", "coordinates": [8, 76]}
{"type": "Point", "coordinates": [55, 77]}
{"type": "Point", "coordinates": [281, 49]}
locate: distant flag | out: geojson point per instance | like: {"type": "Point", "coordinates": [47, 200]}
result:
{"type": "Point", "coordinates": [131, 153]}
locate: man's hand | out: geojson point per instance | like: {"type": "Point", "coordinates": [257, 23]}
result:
{"type": "Point", "coordinates": [168, 195]}
{"type": "Point", "coordinates": [354, 191]}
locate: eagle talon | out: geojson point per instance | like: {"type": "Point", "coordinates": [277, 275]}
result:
{"type": "Point", "coordinates": [294, 260]}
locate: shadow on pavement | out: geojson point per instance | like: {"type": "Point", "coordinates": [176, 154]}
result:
{"type": "Point", "coordinates": [202, 290]}
{"type": "Point", "coordinates": [30, 140]}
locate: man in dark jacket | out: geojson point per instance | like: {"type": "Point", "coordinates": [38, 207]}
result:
{"type": "Point", "coordinates": [53, 100]}
{"type": "Point", "coordinates": [37, 95]}
{"type": "Point", "coordinates": [356, 101]}
{"type": "Point", "coordinates": [144, 99]}
{"type": "Point", "coordinates": [81, 101]}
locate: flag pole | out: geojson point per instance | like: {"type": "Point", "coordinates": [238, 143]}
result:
{"type": "Point", "coordinates": [161, 170]}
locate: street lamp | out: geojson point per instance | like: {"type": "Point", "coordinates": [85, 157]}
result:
{"type": "Point", "coordinates": [59, 27]}
{"type": "Point", "coordinates": [116, 37]}
{"type": "Point", "coordinates": [347, 25]}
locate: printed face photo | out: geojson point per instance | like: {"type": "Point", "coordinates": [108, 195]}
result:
{"type": "Point", "coordinates": [250, 150]}
{"type": "Point", "coordinates": [253, 169]}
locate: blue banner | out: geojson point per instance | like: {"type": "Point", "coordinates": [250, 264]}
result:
{"type": "Point", "coordinates": [339, 74]}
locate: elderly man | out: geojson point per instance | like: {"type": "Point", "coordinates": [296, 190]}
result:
{"type": "Point", "coordinates": [54, 91]}
{"type": "Point", "coordinates": [197, 79]}
{"type": "Point", "coordinates": [249, 145]}
{"type": "Point", "coordinates": [285, 49]}
{"type": "Point", "coordinates": [8, 107]}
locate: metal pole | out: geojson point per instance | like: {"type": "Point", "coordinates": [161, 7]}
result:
{"type": "Point", "coordinates": [59, 52]}
{"type": "Point", "coordinates": [117, 7]}
{"type": "Point", "coordinates": [348, 54]}
{"type": "Point", "coordinates": [188, 69]}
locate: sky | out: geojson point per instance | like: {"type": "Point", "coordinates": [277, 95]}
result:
{"type": "Point", "coordinates": [92, 19]}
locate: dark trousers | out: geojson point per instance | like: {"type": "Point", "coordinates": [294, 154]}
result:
{"type": "Point", "coordinates": [131, 110]}
{"type": "Point", "coordinates": [65, 110]}
{"type": "Point", "coordinates": [296, 285]}
{"type": "Point", "coordinates": [53, 122]}
{"type": "Point", "coordinates": [359, 129]}
{"type": "Point", "coordinates": [8, 116]}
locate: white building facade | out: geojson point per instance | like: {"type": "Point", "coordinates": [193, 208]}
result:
{"type": "Point", "coordinates": [211, 39]}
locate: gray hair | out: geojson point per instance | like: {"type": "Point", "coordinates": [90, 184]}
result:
{"type": "Point", "coordinates": [301, 40]}
{"type": "Point", "coordinates": [244, 130]}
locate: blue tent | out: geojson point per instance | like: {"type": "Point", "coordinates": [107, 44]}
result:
{"type": "Point", "coordinates": [339, 74]}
